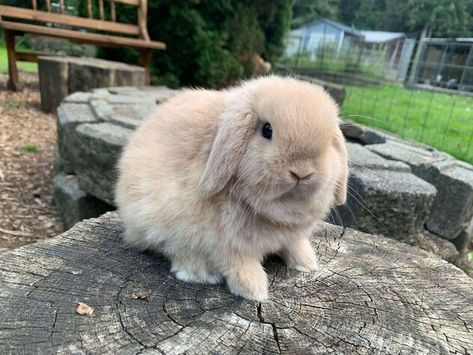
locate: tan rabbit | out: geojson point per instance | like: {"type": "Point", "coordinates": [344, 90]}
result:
{"type": "Point", "coordinates": [217, 180]}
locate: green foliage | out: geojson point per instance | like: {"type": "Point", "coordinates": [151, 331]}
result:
{"type": "Point", "coordinates": [439, 18]}
{"type": "Point", "coordinates": [30, 148]}
{"type": "Point", "coordinates": [28, 67]}
{"type": "Point", "coordinates": [442, 18]}
{"type": "Point", "coordinates": [18, 3]}
{"type": "Point", "coordinates": [208, 41]}
{"type": "Point", "coordinates": [305, 11]}
{"type": "Point", "coordinates": [13, 104]}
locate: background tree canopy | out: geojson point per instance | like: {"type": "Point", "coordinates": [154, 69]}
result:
{"type": "Point", "coordinates": [209, 41]}
{"type": "Point", "coordinates": [438, 18]}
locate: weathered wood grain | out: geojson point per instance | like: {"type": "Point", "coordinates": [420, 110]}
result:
{"type": "Point", "coordinates": [370, 295]}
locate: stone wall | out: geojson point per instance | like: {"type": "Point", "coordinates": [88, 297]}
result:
{"type": "Point", "coordinates": [91, 131]}
{"type": "Point", "coordinates": [402, 189]}
{"type": "Point", "coordinates": [61, 76]}
{"type": "Point", "coordinates": [399, 189]}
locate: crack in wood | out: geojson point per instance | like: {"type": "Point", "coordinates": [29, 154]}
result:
{"type": "Point", "coordinates": [259, 312]}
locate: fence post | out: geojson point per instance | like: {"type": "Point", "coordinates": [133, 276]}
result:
{"type": "Point", "coordinates": [415, 62]}
{"type": "Point", "coordinates": [469, 58]}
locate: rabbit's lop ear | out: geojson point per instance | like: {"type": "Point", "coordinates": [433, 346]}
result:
{"type": "Point", "coordinates": [235, 127]}
{"type": "Point", "coordinates": [342, 181]}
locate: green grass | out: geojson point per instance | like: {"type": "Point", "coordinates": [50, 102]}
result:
{"type": "Point", "coordinates": [28, 67]}
{"type": "Point", "coordinates": [30, 148]}
{"type": "Point", "coordinates": [441, 120]}
{"type": "Point", "coordinates": [13, 104]}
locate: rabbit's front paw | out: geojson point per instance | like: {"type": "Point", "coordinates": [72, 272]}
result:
{"type": "Point", "coordinates": [300, 256]}
{"type": "Point", "coordinates": [249, 281]}
{"type": "Point", "coordinates": [201, 275]}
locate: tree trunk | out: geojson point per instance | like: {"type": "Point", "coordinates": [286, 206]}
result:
{"type": "Point", "coordinates": [370, 295]}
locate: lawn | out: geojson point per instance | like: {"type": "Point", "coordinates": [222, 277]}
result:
{"type": "Point", "coordinates": [441, 120]}
{"type": "Point", "coordinates": [29, 67]}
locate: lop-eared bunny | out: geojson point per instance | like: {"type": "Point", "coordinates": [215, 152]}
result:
{"type": "Point", "coordinates": [216, 180]}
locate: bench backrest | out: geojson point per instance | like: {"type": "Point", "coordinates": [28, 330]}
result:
{"type": "Point", "coordinates": [101, 23]}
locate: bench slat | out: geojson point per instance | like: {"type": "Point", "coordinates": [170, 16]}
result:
{"type": "Point", "coordinates": [93, 38]}
{"type": "Point", "coordinates": [27, 57]}
{"type": "Point", "coordinates": [101, 10]}
{"type": "Point", "coordinates": [129, 2]}
{"type": "Point", "coordinates": [142, 16]}
{"type": "Point", "coordinates": [113, 13]}
{"type": "Point", "coordinates": [42, 16]}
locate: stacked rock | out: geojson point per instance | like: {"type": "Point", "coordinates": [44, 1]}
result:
{"type": "Point", "coordinates": [398, 189]}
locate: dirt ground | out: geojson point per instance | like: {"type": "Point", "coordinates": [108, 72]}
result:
{"type": "Point", "coordinates": [27, 142]}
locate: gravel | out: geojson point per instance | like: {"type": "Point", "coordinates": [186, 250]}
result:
{"type": "Point", "coordinates": [27, 143]}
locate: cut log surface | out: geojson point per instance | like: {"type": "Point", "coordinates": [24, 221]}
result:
{"type": "Point", "coordinates": [370, 295]}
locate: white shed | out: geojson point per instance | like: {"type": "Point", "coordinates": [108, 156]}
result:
{"type": "Point", "coordinates": [323, 32]}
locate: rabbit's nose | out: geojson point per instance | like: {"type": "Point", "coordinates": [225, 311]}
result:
{"type": "Point", "coordinates": [300, 174]}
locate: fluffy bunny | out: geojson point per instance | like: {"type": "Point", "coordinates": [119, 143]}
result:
{"type": "Point", "coordinates": [217, 180]}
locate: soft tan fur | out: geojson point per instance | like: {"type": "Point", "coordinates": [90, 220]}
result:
{"type": "Point", "coordinates": [199, 182]}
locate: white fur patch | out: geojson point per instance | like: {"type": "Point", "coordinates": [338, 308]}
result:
{"type": "Point", "coordinates": [204, 278]}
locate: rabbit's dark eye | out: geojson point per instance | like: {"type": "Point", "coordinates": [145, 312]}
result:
{"type": "Point", "coordinates": [267, 131]}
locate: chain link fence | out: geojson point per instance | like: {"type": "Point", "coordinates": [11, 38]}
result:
{"type": "Point", "coordinates": [419, 90]}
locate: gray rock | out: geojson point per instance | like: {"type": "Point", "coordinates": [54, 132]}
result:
{"type": "Point", "coordinates": [452, 210]}
{"type": "Point", "coordinates": [69, 115]}
{"type": "Point", "coordinates": [74, 113]}
{"type": "Point", "coordinates": [74, 204]}
{"type": "Point", "coordinates": [417, 157]}
{"type": "Point", "coordinates": [391, 203]}
{"type": "Point", "coordinates": [362, 134]}
{"type": "Point", "coordinates": [89, 73]}
{"type": "Point", "coordinates": [53, 86]}
{"type": "Point", "coordinates": [97, 149]}
{"type": "Point", "coordinates": [61, 165]}
{"type": "Point", "coordinates": [60, 76]}
{"type": "Point", "coordinates": [362, 158]}
{"type": "Point", "coordinates": [101, 93]}
{"type": "Point", "coordinates": [453, 207]}
{"type": "Point", "coordinates": [160, 93]}
{"type": "Point", "coordinates": [127, 115]}
{"type": "Point", "coordinates": [91, 150]}
{"type": "Point", "coordinates": [130, 100]}
{"type": "Point", "coordinates": [434, 244]}
{"type": "Point", "coordinates": [384, 197]}
{"type": "Point", "coordinates": [125, 90]}
{"type": "Point", "coordinates": [157, 94]}
{"type": "Point", "coordinates": [78, 97]}
{"type": "Point", "coordinates": [464, 239]}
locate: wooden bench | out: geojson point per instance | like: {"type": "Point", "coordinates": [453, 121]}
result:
{"type": "Point", "coordinates": [107, 32]}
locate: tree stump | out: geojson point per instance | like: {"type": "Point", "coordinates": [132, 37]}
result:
{"type": "Point", "coordinates": [370, 295]}
{"type": "Point", "coordinates": [61, 76]}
